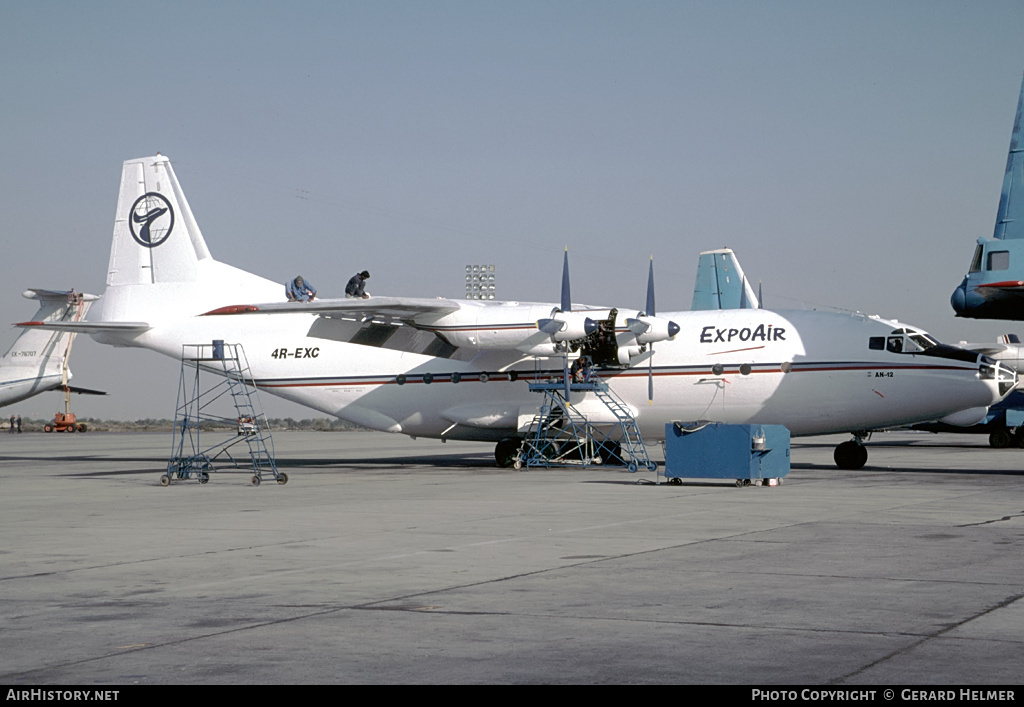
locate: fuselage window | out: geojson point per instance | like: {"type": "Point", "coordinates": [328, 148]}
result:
{"type": "Point", "coordinates": [999, 260]}
{"type": "Point", "coordinates": [876, 343]}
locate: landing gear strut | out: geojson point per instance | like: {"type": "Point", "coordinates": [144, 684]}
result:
{"type": "Point", "coordinates": [506, 451]}
{"type": "Point", "coordinates": [852, 455]}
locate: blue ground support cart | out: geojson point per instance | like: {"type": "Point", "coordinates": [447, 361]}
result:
{"type": "Point", "coordinates": [751, 454]}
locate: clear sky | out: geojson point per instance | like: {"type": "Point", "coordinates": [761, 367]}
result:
{"type": "Point", "coordinates": [850, 152]}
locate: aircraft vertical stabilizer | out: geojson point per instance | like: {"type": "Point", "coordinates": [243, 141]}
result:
{"type": "Point", "coordinates": [1010, 216]}
{"type": "Point", "coordinates": [159, 263]}
{"type": "Point", "coordinates": [994, 285]}
{"type": "Point", "coordinates": [150, 207]}
{"type": "Point", "coordinates": [721, 283]}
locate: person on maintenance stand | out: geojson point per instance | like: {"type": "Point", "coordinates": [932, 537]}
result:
{"type": "Point", "coordinates": [356, 287]}
{"type": "Point", "coordinates": [299, 290]}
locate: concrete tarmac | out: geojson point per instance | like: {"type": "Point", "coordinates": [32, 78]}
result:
{"type": "Point", "coordinates": [390, 560]}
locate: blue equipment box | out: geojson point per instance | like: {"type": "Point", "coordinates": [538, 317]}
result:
{"type": "Point", "coordinates": [715, 450]}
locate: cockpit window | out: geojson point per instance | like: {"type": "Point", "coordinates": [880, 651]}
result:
{"type": "Point", "coordinates": [976, 261]}
{"type": "Point", "coordinates": [903, 341]}
{"type": "Point", "coordinates": [999, 260]}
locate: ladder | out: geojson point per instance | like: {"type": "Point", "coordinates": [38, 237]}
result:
{"type": "Point", "coordinates": [203, 413]}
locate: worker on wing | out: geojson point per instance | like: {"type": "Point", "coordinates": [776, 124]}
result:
{"type": "Point", "coordinates": [299, 290]}
{"type": "Point", "coordinates": [356, 287]}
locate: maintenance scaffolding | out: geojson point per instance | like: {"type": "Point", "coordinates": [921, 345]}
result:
{"type": "Point", "coordinates": [195, 422]}
{"type": "Point", "coordinates": [561, 435]}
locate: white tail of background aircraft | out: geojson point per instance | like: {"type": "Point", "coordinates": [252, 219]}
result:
{"type": "Point", "coordinates": [36, 361]}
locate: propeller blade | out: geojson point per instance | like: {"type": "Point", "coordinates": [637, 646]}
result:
{"type": "Point", "coordinates": [565, 375]}
{"type": "Point", "coordinates": [566, 297]}
{"type": "Point", "coordinates": [650, 290]}
{"type": "Point", "coordinates": [637, 326]}
{"type": "Point", "coordinates": [650, 378]}
{"type": "Point", "coordinates": [650, 313]}
{"type": "Point", "coordinates": [550, 326]}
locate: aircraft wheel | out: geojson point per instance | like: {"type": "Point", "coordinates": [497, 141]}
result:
{"type": "Point", "coordinates": [850, 456]}
{"type": "Point", "coordinates": [165, 480]}
{"type": "Point", "coordinates": [282, 478]}
{"type": "Point", "coordinates": [505, 452]}
{"type": "Point", "coordinates": [1000, 439]}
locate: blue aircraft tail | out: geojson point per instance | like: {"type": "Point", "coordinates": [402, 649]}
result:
{"type": "Point", "coordinates": [994, 286]}
{"type": "Point", "coordinates": [721, 283]}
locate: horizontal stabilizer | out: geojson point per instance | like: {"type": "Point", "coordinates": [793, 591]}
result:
{"type": "Point", "coordinates": [88, 327]}
{"type": "Point", "coordinates": [40, 294]}
{"type": "Point", "coordinates": [85, 391]}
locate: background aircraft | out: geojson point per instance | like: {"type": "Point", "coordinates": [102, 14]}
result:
{"type": "Point", "coordinates": [994, 285]}
{"type": "Point", "coordinates": [459, 369]}
{"type": "Point", "coordinates": [721, 283]}
{"type": "Point", "coordinates": [37, 360]}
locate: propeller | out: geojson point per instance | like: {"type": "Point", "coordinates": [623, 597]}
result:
{"type": "Point", "coordinates": [649, 310]}
{"type": "Point", "coordinates": [648, 328]}
{"type": "Point", "coordinates": [564, 325]}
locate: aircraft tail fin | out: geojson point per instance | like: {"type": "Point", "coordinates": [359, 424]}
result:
{"type": "Point", "coordinates": [721, 283]}
{"type": "Point", "coordinates": [156, 238]}
{"type": "Point", "coordinates": [160, 265]}
{"type": "Point", "coordinates": [1010, 216]}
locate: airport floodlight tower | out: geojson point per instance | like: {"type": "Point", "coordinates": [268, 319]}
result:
{"type": "Point", "coordinates": [480, 282]}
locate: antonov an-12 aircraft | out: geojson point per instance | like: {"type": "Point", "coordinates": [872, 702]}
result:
{"type": "Point", "coordinates": [454, 369]}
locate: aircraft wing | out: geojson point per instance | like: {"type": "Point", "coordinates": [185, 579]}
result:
{"type": "Point", "coordinates": [390, 307]}
{"type": "Point", "coordinates": [88, 327]}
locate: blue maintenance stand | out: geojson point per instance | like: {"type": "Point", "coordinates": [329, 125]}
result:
{"type": "Point", "coordinates": [753, 455]}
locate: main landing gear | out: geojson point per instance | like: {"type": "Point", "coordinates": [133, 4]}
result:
{"type": "Point", "coordinates": [852, 455]}
{"type": "Point", "coordinates": [506, 451]}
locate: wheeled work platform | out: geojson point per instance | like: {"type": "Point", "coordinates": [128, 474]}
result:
{"type": "Point", "coordinates": [561, 435]}
{"type": "Point", "coordinates": [216, 377]}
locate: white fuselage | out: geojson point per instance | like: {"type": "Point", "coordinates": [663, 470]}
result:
{"type": "Point", "coordinates": [442, 368]}
{"type": "Point", "coordinates": [810, 371]}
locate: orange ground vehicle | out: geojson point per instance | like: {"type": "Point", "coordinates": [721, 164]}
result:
{"type": "Point", "coordinates": [65, 422]}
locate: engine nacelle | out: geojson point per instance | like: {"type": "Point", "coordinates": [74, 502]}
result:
{"type": "Point", "coordinates": [966, 418]}
{"type": "Point", "coordinates": [627, 353]}
{"type": "Point", "coordinates": [653, 329]}
{"type": "Point", "coordinates": [567, 326]}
